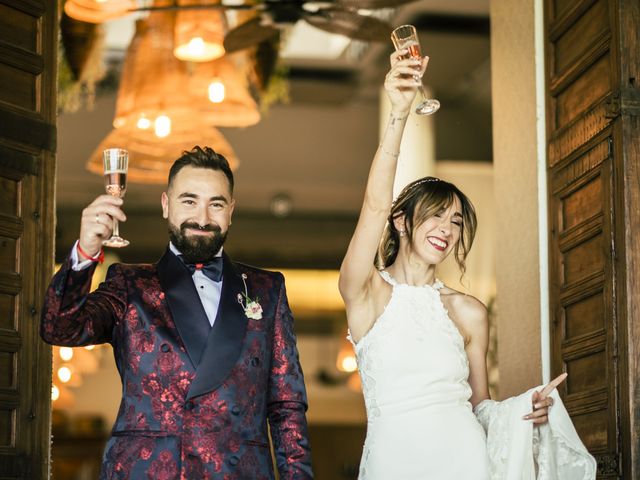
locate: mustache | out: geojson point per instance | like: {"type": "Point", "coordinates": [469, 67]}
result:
{"type": "Point", "coordinates": [202, 228]}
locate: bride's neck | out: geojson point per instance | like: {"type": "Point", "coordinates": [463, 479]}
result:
{"type": "Point", "coordinates": [411, 270]}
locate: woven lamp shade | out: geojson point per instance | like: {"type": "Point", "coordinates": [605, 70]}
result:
{"type": "Point", "coordinates": [199, 34]}
{"type": "Point", "coordinates": [150, 158]}
{"type": "Point", "coordinates": [155, 83]}
{"type": "Point", "coordinates": [94, 11]}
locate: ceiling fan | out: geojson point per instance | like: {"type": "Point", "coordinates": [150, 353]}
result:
{"type": "Point", "coordinates": [338, 16]}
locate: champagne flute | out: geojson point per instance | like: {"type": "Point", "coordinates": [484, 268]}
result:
{"type": "Point", "coordinates": [406, 36]}
{"type": "Point", "coordinates": [116, 163]}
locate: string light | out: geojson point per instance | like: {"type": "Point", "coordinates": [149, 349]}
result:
{"type": "Point", "coordinates": [64, 374]}
{"type": "Point", "coordinates": [66, 353]}
{"type": "Point", "coordinates": [55, 393]}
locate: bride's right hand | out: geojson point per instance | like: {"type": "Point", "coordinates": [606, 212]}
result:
{"type": "Point", "coordinates": [403, 80]}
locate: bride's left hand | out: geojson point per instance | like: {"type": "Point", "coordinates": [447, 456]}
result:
{"type": "Point", "coordinates": [542, 401]}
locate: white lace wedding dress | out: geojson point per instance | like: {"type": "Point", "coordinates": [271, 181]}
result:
{"type": "Point", "coordinates": [421, 426]}
{"type": "Point", "coordinates": [414, 372]}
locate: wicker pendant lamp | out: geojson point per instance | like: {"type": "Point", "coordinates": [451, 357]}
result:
{"type": "Point", "coordinates": [199, 34]}
{"type": "Point", "coordinates": [163, 105]}
{"type": "Point", "coordinates": [98, 11]}
{"type": "Point", "coordinates": [155, 84]}
{"type": "Point", "coordinates": [151, 157]}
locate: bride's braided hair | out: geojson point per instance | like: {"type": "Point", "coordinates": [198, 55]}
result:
{"type": "Point", "coordinates": [419, 201]}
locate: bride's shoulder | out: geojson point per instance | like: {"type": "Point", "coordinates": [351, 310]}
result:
{"type": "Point", "coordinates": [466, 308]}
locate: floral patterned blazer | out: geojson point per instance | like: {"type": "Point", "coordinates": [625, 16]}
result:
{"type": "Point", "coordinates": [196, 399]}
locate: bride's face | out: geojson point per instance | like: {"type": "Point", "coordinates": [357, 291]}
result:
{"type": "Point", "coordinates": [437, 236]}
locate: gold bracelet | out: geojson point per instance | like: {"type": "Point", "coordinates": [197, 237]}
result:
{"type": "Point", "coordinates": [394, 155]}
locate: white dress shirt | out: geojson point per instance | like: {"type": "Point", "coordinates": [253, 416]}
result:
{"type": "Point", "coordinates": [208, 290]}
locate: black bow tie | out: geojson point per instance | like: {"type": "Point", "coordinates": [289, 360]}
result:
{"type": "Point", "coordinates": [212, 269]}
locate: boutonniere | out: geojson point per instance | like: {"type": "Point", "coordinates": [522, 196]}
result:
{"type": "Point", "coordinates": [252, 309]}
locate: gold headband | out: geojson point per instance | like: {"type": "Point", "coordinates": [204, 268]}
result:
{"type": "Point", "coordinates": [405, 191]}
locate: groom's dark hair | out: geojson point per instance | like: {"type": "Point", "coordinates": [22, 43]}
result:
{"type": "Point", "coordinates": [199, 157]}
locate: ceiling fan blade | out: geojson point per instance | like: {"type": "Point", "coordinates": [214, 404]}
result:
{"type": "Point", "coordinates": [247, 35]}
{"type": "Point", "coordinates": [371, 4]}
{"type": "Point", "coordinates": [350, 24]}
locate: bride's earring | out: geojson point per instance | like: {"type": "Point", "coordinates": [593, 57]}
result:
{"type": "Point", "coordinates": [401, 232]}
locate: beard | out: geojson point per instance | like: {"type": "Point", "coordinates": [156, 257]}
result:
{"type": "Point", "coordinates": [200, 248]}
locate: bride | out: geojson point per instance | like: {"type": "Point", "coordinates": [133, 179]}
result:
{"type": "Point", "coordinates": [422, 346]}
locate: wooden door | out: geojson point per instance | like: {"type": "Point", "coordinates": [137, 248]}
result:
{"type": "Point", "coordinates": [28, 46]}
{"type": "Point", "coordinates": [593, 107]}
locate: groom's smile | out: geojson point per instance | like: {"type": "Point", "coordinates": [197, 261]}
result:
{"type": "Point", "coordinates": [198, 206]}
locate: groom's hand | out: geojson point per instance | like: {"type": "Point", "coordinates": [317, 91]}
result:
{"type": "Point", "coordinates": [97, 222]}
{"type": "Point", "coordinates": [542, 401]}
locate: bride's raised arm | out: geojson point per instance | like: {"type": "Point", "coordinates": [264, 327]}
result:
{"type": "Point", "coordinates": [401, 86]}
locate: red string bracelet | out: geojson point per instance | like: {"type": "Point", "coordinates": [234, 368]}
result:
{"type": "Point", "coordinates": [99, 258]}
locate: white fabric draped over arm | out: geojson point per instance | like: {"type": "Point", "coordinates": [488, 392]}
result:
{"type": "Point", "coordinates": [518, 451]}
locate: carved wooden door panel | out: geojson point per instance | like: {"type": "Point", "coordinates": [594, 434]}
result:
{"type": "Point", "coordinates": [28, 52]}
{"type": "Point", "coordinates": [592, 56]}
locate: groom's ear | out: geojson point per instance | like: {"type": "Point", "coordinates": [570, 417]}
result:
{"type": "Point", "coordinates": [164, 199]}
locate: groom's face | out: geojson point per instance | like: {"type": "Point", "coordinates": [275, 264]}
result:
{"type": "Point", "coordinates": [198, 206]}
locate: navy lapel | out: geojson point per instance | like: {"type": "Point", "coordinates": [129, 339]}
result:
{"type": "Point", "coordinates": [226, 338]}
{"type": "Point", "coordinates": [185, 305]}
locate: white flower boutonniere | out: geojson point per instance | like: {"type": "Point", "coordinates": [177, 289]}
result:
{"type": "Point", "coordinates": [252, 309]}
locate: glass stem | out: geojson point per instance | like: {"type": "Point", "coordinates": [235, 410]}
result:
{"type": "Point", "coordinates": [116, 232]}
{"type": "Point", "coordinates": [421, 88]}
{"type": "Point", "coordinates": [422, 92]}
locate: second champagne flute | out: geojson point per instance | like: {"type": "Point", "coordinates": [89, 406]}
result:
{"type": "Point", "coordinates": [116, 164]}
{"type": "Point", "coordinates": [406, 36]}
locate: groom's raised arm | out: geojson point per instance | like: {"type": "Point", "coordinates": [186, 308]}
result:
{"type": "Point", "coordinates": [74, 317]}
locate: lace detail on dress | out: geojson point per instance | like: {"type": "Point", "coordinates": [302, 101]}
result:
{"type": "Point", "coordinates": [557, 450]}
{"type": "Point", "coordinates": [386, 276]}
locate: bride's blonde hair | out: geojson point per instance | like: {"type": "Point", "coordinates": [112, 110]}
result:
{"type": "Point", "coordinates": [419, 201]}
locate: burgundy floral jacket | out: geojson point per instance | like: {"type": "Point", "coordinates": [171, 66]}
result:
{"type": "Point", "coordinates": [196, 399]}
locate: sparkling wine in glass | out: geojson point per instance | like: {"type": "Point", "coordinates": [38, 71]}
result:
{"type": "Point", "coordinates": [116, 163]}
{"type": "Point", "coordinates": [406, 36]}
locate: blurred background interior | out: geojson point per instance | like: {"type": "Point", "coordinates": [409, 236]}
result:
{"type": "Point", "coordinates": [298, 116]}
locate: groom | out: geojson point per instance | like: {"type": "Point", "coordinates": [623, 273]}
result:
{"type": "Point", "coordinates": [205, 347]}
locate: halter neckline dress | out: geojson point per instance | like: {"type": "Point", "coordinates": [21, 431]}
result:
{"type": "Point", "coordinates": [414, 372]}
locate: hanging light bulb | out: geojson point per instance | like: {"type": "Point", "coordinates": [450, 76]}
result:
{"type": "Point", "coordinates": [198, 37]}
{"type": "Point", "coordinates": [143, 122]}
{"type": "Point", "coordinates": [216, 91]}
{"type": "Point", "coordinates": [66, 353]}
{"type": "Point", "coordinates": [162, 126]}
{"type": "Point", "coordinates": [194, 48]}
